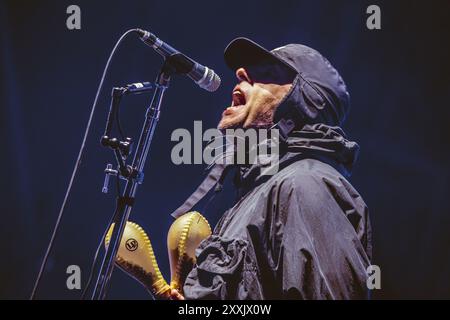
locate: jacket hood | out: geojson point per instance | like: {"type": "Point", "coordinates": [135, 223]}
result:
{"type": "Point", "coordinates": [317, 141]}
{"type": "Point", "coordinates": [318, 93]}
{"type": "Point", "coordinates": [326, 143]}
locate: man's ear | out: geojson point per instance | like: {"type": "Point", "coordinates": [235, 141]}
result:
{"type": "Point", "coordinates": [243, 75]}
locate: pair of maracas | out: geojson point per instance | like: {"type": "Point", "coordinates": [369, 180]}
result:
{"type": "Point", "coordinates": [136, 257]}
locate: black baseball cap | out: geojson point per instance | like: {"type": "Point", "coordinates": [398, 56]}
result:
{"type": "Point", "coordinates": [243, 52]}
{"type": "Point", "coordinates": [322, 95]}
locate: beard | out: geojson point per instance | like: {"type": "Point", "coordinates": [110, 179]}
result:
{"type": "Point", "coordinates": [257, 113]}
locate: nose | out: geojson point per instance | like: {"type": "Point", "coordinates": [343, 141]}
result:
{"type": "Point", "coordinates": [242, 75]}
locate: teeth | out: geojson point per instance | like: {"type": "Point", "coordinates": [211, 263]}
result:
{"type": "Point", "coordinates": [238, 98]}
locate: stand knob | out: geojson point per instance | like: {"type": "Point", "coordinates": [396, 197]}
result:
{"type": "Point", "coordinates": [108, 171]}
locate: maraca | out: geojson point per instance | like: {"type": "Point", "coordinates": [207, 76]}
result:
{"type": "Point", "coordinates": [183, 238]}
{"type": "Point", "coordinates": [136, 257]}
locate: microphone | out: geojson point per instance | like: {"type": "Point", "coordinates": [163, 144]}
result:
{"type": "Point", "coordinates": [205, 77]}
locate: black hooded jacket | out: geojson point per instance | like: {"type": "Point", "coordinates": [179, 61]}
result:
{"type": "Point", "coordinates": [302, 233]}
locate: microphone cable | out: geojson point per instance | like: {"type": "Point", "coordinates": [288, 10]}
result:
{"type": "Point", "coordinates": [77, 163]}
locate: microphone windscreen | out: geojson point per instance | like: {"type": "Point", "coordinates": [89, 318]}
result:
{"type": "Point", "coordinates": [213, 82]}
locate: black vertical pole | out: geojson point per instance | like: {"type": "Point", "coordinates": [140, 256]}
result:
{"type": "Point", "coordinates": [126, 201]}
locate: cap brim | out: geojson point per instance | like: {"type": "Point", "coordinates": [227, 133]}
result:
{"type": "Point", "coordinates": [243, 52]}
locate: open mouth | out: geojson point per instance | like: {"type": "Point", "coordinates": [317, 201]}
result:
{"type": "Point", "coordinates": [238, 98]}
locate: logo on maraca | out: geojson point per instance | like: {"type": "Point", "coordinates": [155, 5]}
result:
{"type": "Point", "coordinates": [131, 244]}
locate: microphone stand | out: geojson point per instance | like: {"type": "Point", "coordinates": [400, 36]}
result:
{"type": "Point", "coordinates": [133, 174]}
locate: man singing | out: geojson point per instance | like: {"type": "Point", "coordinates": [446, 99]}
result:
{"type": "Point", "coordinates": [304, 232]}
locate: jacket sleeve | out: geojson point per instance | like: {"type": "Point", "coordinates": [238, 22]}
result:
{"type": "Point", "coordinates": [314, 250]}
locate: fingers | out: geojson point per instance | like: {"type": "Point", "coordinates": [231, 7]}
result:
{"type": "Point", "coordinates": [175, 295]}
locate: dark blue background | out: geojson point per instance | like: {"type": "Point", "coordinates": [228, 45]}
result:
{"type": "Point", "coordinates": [398, 77]}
